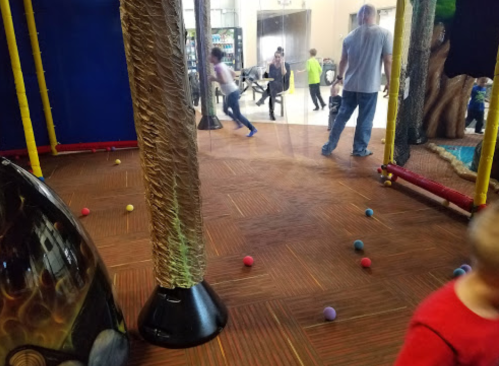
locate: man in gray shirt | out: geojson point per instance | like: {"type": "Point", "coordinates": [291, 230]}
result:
{"type": "Point", "coordinates": [364, 51]}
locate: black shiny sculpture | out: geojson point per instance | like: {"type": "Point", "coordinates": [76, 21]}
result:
{"type": "Point", "coordinates": [56, 301]}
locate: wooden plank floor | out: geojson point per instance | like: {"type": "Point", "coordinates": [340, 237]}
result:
{"type": "Point", "coordinates": [275, 198]}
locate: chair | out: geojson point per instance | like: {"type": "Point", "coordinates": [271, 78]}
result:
{"type": "Point", "coordinates": [280, 98]}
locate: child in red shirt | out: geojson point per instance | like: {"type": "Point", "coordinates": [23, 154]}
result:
{"type": "Point", "coordinates": [459, 324]}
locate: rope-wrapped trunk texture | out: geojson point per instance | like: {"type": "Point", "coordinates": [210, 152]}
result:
{"type": "Point", "coordinates": [154, 37]}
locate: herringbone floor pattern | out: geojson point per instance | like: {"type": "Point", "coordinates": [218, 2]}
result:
{"type": "Point", "coordinates": [275, 198]}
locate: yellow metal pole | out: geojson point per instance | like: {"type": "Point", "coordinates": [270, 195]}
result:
{"type": "Point", "coordinates": [20, 87]}
{"type": "Point", "coordinates": [40, 73]}
{"type": "Point", "coordinates": [394, 84]}
{"type": "Point", "coordinates": [489, 144]}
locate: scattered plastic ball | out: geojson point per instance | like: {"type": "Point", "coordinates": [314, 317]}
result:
{"type": "Point", "coordinates": [369, 212]}
{"type": "Point", "coordinates": [365, 262]}
{"type": "Point", "coordinates": [358, 245]}
{"type": "Point", "coordinates": [31, 171]}
{"type": "Point", "coordinates": [108, 149]}
{"type": "Point", "coordinates": [458, 272]}
{"type": "Point", "coordinates": [466, 267]}
{"type": "Point", "coordinates": [41, 179]}
{"type": "Point", "coordinates": [383, 141]}
{"type": "Point", "coordinates": [117, 162]}
{"type": "Point", "coordinates": [113, 148]}
{"type": "Point", "coordinates": [85, 211]}
{"type": "Point", "coordinates": [248, 261]}
{"type": "Point", "coordinates": [445, 203]}
{"type": "Point", "coordinates": [380, 170]}
{"type": "Point", "coordinates": [129, 208]}
{"type": "Point", "coordinates": [394, 178]}
{"type": "Point", "coordinates": [388, 183]}
{"type": "Point", "coordinates": [18, 157]}
{"type": "Point", "coordinates": [329, 313]}
{"type": "Point", "coordinates": [94, 151]}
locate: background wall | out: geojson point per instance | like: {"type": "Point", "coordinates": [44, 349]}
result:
{"type": "Point", "coordinates": [329, 22]}
{"type": "Point", "coordinates": [223, 13]}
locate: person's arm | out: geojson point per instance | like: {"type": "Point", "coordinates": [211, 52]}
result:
{"type": "Point", "coordinates": [219, 77]}
{"type": "Point", "coordinates": [283, 68]}
{"type": "Point", "coordinates": [387, 61]}
{"type": "Point", "coordinates": [342, 67]}
{"type": "Point", "coordinates": [423, 347]}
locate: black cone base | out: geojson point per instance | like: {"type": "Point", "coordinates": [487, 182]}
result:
{"type": "Point", "coordinates": [210, 123]}
{"type": "Point", "coordinates": [182, 318]}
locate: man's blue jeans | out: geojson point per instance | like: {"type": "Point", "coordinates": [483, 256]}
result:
{"type": "Point", "coordinates": [367, 108]}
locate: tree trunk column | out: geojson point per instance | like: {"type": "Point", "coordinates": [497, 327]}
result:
{"type": "Point", "coordinates": [202, 10]}
{"type": "Point", "coordinates": [183, 311]}
{"type": "Point", "coordinates": [419, 58]}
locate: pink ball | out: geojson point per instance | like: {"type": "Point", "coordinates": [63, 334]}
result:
{"type": "Point", "coordinates": [94, 151]}
{"type": "Point", "coordinates": [18, 157]}
{"type": "Point", "coordinates": [248, 261]}
{"type": "Point", "coordinates": [108, 149]}
{"type": "Point", "coordinates": [85, 211]}
{"type": "Point", "coordinates": [365, 262]}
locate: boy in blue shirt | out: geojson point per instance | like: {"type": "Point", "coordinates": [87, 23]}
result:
{"type": "Point", "coordinates": [476, 108]}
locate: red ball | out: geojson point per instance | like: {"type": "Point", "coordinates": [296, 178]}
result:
{"type": "Point", "coordinates": [248, 261]}
{"type": "Point", "coordinates": [18, 157]}
{"type": "Point", "coordinates": [108, 149]}
{"type": "Point", "coordinates": [394, 178]}
{"type": "Point", "coordinates": [94, 151]}
{"type": "Point", "coordinates": [380, 170]}
{"type": "Point", "coordinates": [85, 212]}
{"type": "Point", "coordinates": [31, 171]}
{"type": "Point", "coordinates": [365, 262]}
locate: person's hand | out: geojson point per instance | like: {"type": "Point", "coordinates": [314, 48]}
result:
{"type": "Point", "coordinates": [386, 91]}
{"type": "Point", "coordinates": [336, 82]}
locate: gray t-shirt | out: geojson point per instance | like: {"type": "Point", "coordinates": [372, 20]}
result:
{"type": "Point", "coordinates": [365, 48]}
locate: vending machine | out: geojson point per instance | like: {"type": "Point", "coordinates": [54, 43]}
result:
{"type": "Point", "coordinates": [229, 40]}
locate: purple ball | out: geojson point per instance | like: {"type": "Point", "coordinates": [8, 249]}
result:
{"type": "Point", "coordinates": [466, 267]}
{"type": "Point", "coordinates": [329, 313]}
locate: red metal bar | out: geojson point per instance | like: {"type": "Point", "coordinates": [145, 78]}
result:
{"type": "Point", "coordinates": [73, 147]}
{"type": "Point", "coordinates": [96, 146]}
{"type": "Point", "coordinates": [457, 198]}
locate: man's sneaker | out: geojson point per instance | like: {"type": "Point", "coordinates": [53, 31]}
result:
{"type": "Point", "coordinates": [366, 152]}
{"type": "Point", "coordinates": [252, 133]}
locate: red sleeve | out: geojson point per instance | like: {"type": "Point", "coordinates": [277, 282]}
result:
{"type": "Point", "coordinates": [423, 347]}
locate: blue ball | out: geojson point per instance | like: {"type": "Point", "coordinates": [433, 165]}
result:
{"type": "Point", "coordinates": [42, 179]}
{"type": "Point", "coordinates": [467, 268]}
{"type": "Point", "coordinates": [113, 149]}
{"type": "Point", "coordinates": [358, 245]}
{"type": "Point", "coordinates": [458, 272]}
{"type": "Point", "coordinates": [329, 313]}
{"type": "Point", "coordinates": [369, 212]}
